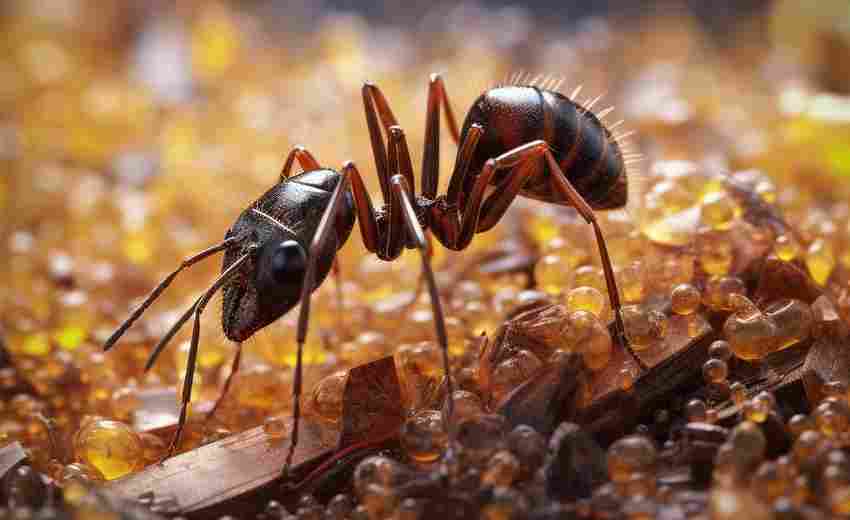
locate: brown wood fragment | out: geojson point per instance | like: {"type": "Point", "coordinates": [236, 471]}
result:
{"type": "Point", "coordinates": [372, 403]}
{"type": "Point", "coordinates": [238, 474]}
{"type": "Point", "coordinates": [781, 280]}
{"type": "Point", "coordinates": [11, 455]}
{"type": "Point", "coordinates": [549, 397]}
{"type": "Point", "coordinates": [827, 360]}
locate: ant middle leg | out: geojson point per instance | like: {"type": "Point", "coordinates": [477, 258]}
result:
{"type": "Point", "coordinates": [431, 150]}
{"type": "Point", "coordinates": [403, 198]}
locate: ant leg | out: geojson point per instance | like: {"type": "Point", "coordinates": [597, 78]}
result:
{"type": "Point", "coordinates": [495, 206]}
{"type": "Point", "coordinates": [431, 155]}
{"type": "Point", "coordinates": [340, 304]}
{"type": "Point", "coordinates": [197, 257]}
{"type": "Point", "coordinates": [234, 367]}
{"type": "Point", "coordinates": [402, 191]}
{"type": "Point", "coordinates": [197, 309]}
{"type": "Point", "coordinates": [372, 96]}
{"type": "Point", "coordinates": [464, 157]}
{"type": "Point", "coordinates": [363, 204]}
{"type": "Point", "coordinates": [305, 159]}
{"type": "Point", "coordinates": [563, 185]}
{"type": "Point", "coordinates": [472, 209]}
{"type": "Point", "coordinates": [323, 231]}
{"type": "Point", "coordinates": [399, 154]}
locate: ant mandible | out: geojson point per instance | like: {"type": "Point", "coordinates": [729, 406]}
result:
{"type": "Point", "coordinates": [521, 139]}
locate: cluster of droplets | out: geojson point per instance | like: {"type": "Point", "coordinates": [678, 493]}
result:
{"type": "Point", "coordinates": [747, 479]}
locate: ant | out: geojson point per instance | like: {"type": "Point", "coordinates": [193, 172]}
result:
{"type": "Point", "coordinates": [520, 139]}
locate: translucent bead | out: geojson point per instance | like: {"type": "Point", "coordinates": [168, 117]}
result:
{"type": "Point", "coordinates": [714, 371]}
{"type": "Point", "coordinates": [379, 501]}
{"type": "Point", "coordinates": [670, 196]}
{"type": "Point", "coordinates": [820, 259]}
{"type": "Point", "coordinates": [719, 210]}
{"type": "Point", "coordinates": [799, 423]}
{"type": "Point", "coordinates": [590, 338]}
{"type": "Point", "coordinates": [339, 507]}
{"type": "Point", "coordinates": [513, 372]}
{"type": "Point", "coordinates": [631, 281]}
{"type": "Point", "coordinates": [793, 319]}
{"type": "Point", "coordinates": [276, 426]}
{"type": "Point", "coordinates": [327, 395]}
{"type": "Point", "coordinates": [748, 443]}
{"type": "Point", "coordinates": [367, 346]}
{"type": "Point", "coordinates": [739, 393]}
{"type": "Point", "coordinates": [721, 350]}
{"type": "Point", "coordinates": [715, 253]}
{"type": "Point", "coordinates": [696, 410]}
{"type": "Point", "coordinates": [806, 446]}
{"type": "Point", "coordinates": [551, 275]}
{"type": "Point", "coordinates": [455, 335]}
{"type": "Point", "coordinates": [420, 369]}
{"type": "Point", "coordinates": [479, 318]}
{"type": "Point", "coordinates": [644, 326]}
{"type": "Point", "coordinates": [750, 333]}
{"type": "Point", "coordinates": [626, 379]}
{"type": "Point", "coordinates": [832, 417]}
{"type": "Point", "coordinates": [502, 469]}
{"type": "Point", "coordinates": [631, 454]}
{"type": "Point", "coordinates": [378, 470]}
{"type": "Point", "coordinates": [786, 248]}
{"type": "Point", "coordinates": [719, 289]}
{"type": "Point", "coordinates": [111, 447]}
{"type": "Point", "coordinates": [424, 436]}
{"type": "Point", "coordinates": [528, 446]}
{"type": "Point", "coordinates": [754, 411]}
{"type": "Point", "coordinates": [590, 276]}
{"type": "Point", "coordinates": [685, 299]}
{"type": "Point", "coordinates": [587, 299]}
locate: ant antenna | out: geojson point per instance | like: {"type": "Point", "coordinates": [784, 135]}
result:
{"type": "Point", "coordinates": [197, 257]}
{"type": "Point", "coordinates": [197, 309]}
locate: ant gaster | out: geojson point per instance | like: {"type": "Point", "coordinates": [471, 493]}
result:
{"type": "Point", "coordinates": [520, 139]}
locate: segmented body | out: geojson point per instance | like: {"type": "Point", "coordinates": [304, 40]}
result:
{"type": "Point", "coordinates": [585, 149]}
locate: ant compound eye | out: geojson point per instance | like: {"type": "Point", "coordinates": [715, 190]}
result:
{"type": "Point", "coordinates": [288, 261]}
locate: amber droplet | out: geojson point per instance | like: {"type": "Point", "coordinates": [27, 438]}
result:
{"type": "Point", "coordinates": [630, 455]}
{"type": "Point", "coordinates": [685, 299]}
{"type": "Point", "coordinates": [424, 436]}
{"type": "Point", "coordinates": [111, 447]}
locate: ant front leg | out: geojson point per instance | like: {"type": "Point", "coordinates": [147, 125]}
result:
{"type": "Point", "coordinates": [323, 231]}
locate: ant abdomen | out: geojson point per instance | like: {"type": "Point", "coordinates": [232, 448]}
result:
{"type": "Point", "coordinates": [585, 149]}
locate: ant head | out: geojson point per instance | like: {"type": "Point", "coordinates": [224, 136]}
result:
{"type": "Point", "coordinates": [269, 283]}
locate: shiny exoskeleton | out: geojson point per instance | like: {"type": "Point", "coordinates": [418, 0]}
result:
{"type": "Point", "coordinates": [516, 140]}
